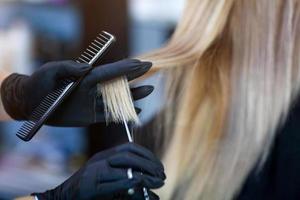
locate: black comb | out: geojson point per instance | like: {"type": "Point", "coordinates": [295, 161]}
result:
{"type": "Point", "coordinates": [50, 103]}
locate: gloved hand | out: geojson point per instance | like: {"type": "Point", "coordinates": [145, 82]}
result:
{"type": "Point", "coordinates": [21, 94]}
{"type": "Point", "coordinates": [105, 176]}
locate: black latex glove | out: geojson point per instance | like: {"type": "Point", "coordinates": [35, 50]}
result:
{"type": "Point", "coordinates": [21, 94]}
{"type": "Point", "coordinates": [140, 195]}
{"type": "Point", "coordinates": [105, 176]}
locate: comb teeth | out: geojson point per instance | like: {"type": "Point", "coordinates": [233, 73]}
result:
{"type": "Point", "coordinates": [39, 112]}
{"type": "Point", "coordinates": [52, 100]}
{"type": "Point", "coordinates": [96, 47]}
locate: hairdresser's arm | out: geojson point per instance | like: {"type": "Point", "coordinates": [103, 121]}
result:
{"type": "Point", "coordinates": [21, 94]}
{"type": "Point", "coordinates": [3, 115]}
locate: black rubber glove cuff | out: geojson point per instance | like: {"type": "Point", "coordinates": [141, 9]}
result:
{"type": "Point", "coordinates": [12, 96]}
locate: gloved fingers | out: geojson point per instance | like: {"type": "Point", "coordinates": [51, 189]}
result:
{"type": "Point", "coordinates": [136, 162]}
{"type": "Point", "coordinates": [113, 174]}
{"type": "Point", "coordinates": [139, 150]}
{"type": "Point", "coordinates": [127, 147]}
{"type": "Point", "coordinates": [139, 195]}
{"type": "Point", "coordinates": [66, 69]}
{"type": "Point", "coordinates": [148, 181]}
{"type": "Point", "coordinates": [139, 73]}
{"type": "Point", "coordinates": [120, 186]}
{"type": "Point", "coordinates": [138, 180]}
{"type": "Point", "coordinates": [107, 72]}
{"type": "Point", "coordinates": [137, 110]}
{"type": "Point", "coordinates": [141, 92]}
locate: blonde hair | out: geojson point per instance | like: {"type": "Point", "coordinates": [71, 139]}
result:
{"type": "Point", "coordinates": [232, 71]}
{"type": "Point", "coordinates": [117, 101]}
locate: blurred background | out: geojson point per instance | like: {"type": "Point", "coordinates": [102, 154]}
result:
{"type": "Point", "coordinates": [33, 32]}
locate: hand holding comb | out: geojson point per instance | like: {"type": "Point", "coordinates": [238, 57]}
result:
{"type": "Point", "coordinates": [55, 98]}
